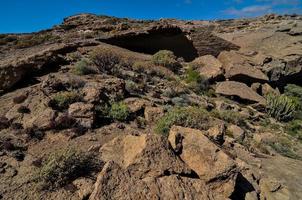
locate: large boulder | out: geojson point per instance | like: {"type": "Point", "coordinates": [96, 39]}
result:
{"type": "Point", "coordinates": [211, 164]}
{"type": "Point", "coordinates": [209, 67]}
{"type": "Point", "coordinates": [239, 90]}
{"type": "Point", "coordinates": [246, 74]}
{"type": "Point", "coordinates": [116, 183]}
{"type": "Point", "coordinates": [146, 167]}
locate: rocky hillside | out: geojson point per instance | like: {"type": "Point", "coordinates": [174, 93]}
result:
{"type": "Point", "coordinates": [106, 108]}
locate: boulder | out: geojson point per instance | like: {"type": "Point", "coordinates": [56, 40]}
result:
{"type": "Point", "coordinates": [209, 67]}
{"type": "Point", "coordinates": [211, 164]}
{"type": "Point", "coordinates": [237, 132]}
{"type": "Point", "coordinates": [239, 90]}
{"type": "Point", "coordinates": [217, 132]}
{"type": "Point", "coordinates": [116, 183]}
{"type": "Point", "coordinates": [136, 104]}
{"type": "Point", "coordinates": [112, 89]}
{"type": "Point", "coordinates": [267, 89]}
{"type": "Point", "coordinates": [83, 113]}
{"type": "Point", "coordinates": [246, 74]}
{"type": "Point", "coordinates": [231, 58]}
{"type": "Point", "coordinates": [152, 114]}
{"type": "Point", "coordinates": [146, 167]}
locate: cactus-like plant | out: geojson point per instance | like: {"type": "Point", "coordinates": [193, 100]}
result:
{"type": "Point", "coordinates": [281, 107]}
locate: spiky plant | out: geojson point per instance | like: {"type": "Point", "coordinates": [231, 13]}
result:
{"type": "Point", "coordinates": [281, 107]}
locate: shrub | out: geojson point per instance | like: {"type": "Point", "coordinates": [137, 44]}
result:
{"type": "Point", "coordinates": [166, 59]}
{"type": "Point", "coordinates": [285, 148]}
{"type": "Point", "coordinates": [105, 59]}
{"type": "Point", "coordinates": [82, 68]}
{"type": "Point", "coordinates": [293, 91]}
{"type": "Point", "coordinates": [228, 116]}
{"type": "Point", "coordinates": [119, 111]}
{"type": "Point", "coordinates": [62, 100]}
{"type": "Point", "coordinates": [192, 117]}
{"type": "Point", "coordinates": [281, 107]}
{"type": "Point", "coordinates": [195, 81]}
{"type": "Point", "coordinates": [294, 128]}
{"type": "Point", "coordinates": [64, 166]}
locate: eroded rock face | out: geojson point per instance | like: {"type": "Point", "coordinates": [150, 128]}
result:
{"type": "Point", "coordinates": [211, 164]}
{"type": "Point", "coordinates": [237, 89]}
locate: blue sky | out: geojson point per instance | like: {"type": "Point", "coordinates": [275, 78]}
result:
{"type": "Point", "coordinates": [17, 16]}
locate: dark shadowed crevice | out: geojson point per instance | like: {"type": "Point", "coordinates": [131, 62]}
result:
{"type": "Point", "coordinates": [150, 44]}
{"type": "Point", "coordinates": [242, 187]}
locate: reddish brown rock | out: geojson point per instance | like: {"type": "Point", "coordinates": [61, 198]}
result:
{"type": "Point", "coordinates": [211, 164]}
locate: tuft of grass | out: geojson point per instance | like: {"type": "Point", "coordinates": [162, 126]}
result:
{"type": "Point", "coordinates": [284, 148]}
{"type": "Point", "coordinates": [62, 100]}
{"type": "Point", "coordinates": [281, 107]}
{"type": "Point", "coordinates": [166, 59]}
{"type": "Point", "coordinates": [195, 81]}
{"type": "Point", "coordinates": [192, 117]}
{"type": "Point", "coordinates": [119, 111]}
{"type": "Point", "coordinates": [82, 68]}
{"type": "Point", "coordinates": [65, 166]}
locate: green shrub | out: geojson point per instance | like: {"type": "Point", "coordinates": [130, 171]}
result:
{"type": "Point", "coordinates": [195, 81]}
{"type": "Point", "coordinates": [166, 59]}
{"type": "Point", "coordinates": [62, 100]}
{"type": "Point", "coordinates": [293, 91]}
{"type": "Point", "coordinates": [192, 117]}
{"type": "Point", "coordinates": [119, 111]}
{"type": "Point", "coordinates": [228, 116]}
{"type": "Point", "coordinates": [105, 59]}
{"type": "Point", "coordinates": [281, 107]}
{"type": "Point", "coordinates": [63, 167]}
{"type": "Point", "coordinates": [82, 68]}
{"type": "Point", "coordinates": [294, 128]}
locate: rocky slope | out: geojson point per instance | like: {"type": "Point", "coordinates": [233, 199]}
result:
{"type": "Point", "coordinates": [90, 110]}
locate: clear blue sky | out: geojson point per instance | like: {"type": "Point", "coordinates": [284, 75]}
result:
{"type": "Point", "coordinates": [18, 16]}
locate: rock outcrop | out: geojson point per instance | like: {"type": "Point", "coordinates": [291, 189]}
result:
{"type": "Point", "coordinates": [239, 90]}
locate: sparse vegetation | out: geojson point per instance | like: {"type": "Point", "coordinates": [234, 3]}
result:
{"type": "Point", "coordinates": [195, 81]}
{"type": "Point", "coordinates": [294, 128]}
{"type": "Point", "coordinates": [166, 59]}
{"type": "Point", "coordinates": [119, 111]}
{"type": "Point", "coordinates": [193, 117]}
{"type": "Point", "coordinates": [285, 148]}
{"type": "Point", "coordinates": [82, 67]}
{"type": "Point", "coordinates": [64, 166]}
{"type": "Point", "coordinates": [281, 107]}
{"type": "Point", "coordinates": [36, 39]}
{"type": "Point", "coordinates": [105, 59]}
{"type": "Point", "coordinates": [62, 100]}
{"type": "Point", "coordinates": [228, 116]}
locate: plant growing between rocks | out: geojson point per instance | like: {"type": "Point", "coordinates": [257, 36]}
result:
{"type": "Point", "coordinates": [82, 68]}
{"type": "Point", "coordinates": [119, 111]}
{"type": "Point", "coordinates": [192, 117]}
{"type": "Point", "coordinates": [62, 100]}
{"type": "Point", "coordinates": [281, 107]}
{"type": "Point", "coordinates": [195, 81]}
{"type": "Point", "coordinates": [166, 59]}
{"type": "Point", "coordinates": [65, 166]}
{"type": "Point", "coordinates": [105, 59]}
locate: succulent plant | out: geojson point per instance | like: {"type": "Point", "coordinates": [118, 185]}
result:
{"type": "Point", "coordinates": [281, 107]}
